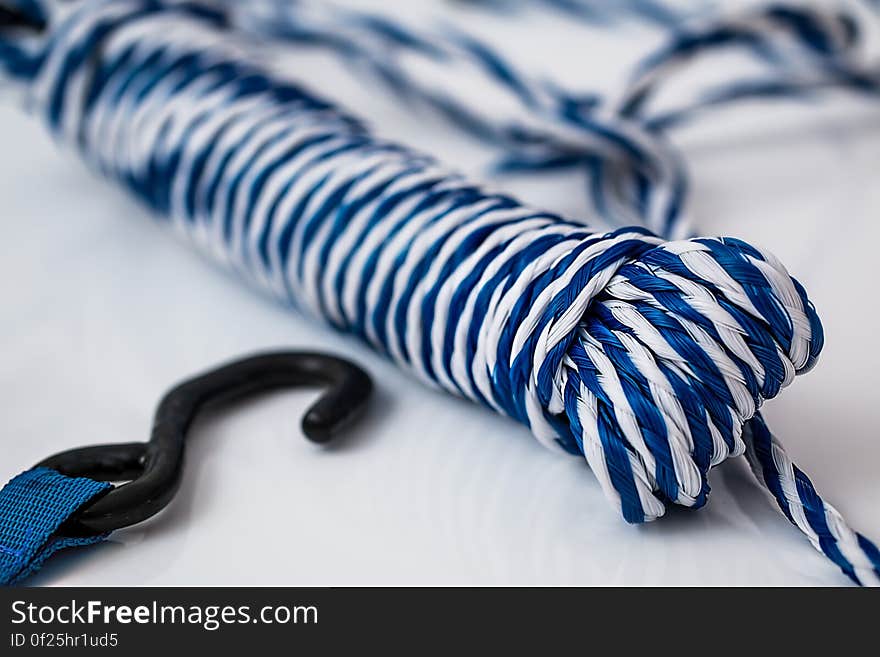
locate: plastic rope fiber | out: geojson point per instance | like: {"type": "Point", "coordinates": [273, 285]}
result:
{"type": "Point", "coordinates": [650, 358]}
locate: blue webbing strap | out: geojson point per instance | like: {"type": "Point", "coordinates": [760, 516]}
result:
{"type": "Point", "coordinates": [33, 506]}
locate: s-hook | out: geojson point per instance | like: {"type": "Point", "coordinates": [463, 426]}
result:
{"type": "Point", "coordinates": [153, 469]}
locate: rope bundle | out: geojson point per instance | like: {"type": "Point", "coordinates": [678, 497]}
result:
{"type": "Point", "coordinates": [650, 358]}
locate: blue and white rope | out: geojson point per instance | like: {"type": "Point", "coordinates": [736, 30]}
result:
{"type": "Point", "coordinates": [649, 358]}
{"type": "Point", "coordinates": [601, 12]}
{"type": "Point", "coordinates": [799, 50]}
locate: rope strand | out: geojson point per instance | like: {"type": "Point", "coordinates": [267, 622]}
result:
{"type": "Point", "coordinates": [622, 142]}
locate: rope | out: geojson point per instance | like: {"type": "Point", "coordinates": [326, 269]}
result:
{"type": "Point", "coordinates": [636, 175]}
{"type": "Point", "coordinates": [597, 12]}
{"type": "Point", "coordinates": [650, 358]}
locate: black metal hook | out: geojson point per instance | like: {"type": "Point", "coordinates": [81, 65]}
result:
{"type": "Point", "coordinates": [153, 469]}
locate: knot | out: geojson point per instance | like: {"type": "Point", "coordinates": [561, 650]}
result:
{"type": "Point", "coordinates": [674, 350]}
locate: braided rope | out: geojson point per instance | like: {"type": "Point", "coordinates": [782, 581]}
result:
{"type": "Point", "coordinates": [650, 358]}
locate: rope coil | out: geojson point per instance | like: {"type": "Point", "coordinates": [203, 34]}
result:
{"type": "Point", "coordinates": [650, 358]}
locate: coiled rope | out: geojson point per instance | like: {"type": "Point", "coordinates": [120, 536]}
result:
{"type": "Point", "coordinates": [650, 358]}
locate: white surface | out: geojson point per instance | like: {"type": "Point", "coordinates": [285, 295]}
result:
{"type": "Point", "coordinates": [104, 310]}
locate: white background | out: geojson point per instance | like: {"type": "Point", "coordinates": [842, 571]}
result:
{"type": "Point", "coordinates": [104, 309]}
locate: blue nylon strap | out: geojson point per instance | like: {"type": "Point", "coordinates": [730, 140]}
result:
{"type": "Point", "coordinates": [33, 506]}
